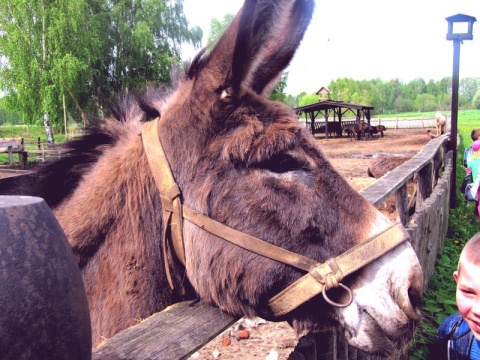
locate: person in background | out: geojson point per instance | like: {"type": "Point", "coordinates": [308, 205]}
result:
{"type": "Point", "coordinates": [458, 336]}
{"type": "Point", "coordinates": [475, 135]}
{"type": "Point", "coordinates": [473, 163]}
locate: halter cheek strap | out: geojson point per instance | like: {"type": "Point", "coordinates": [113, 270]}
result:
{"type": "Point", "coordinates": [319, 278]}
{"type": "Point", "coordinates": [170, 195]}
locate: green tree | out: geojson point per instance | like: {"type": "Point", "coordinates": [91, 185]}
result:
{"type": "Point", "coordinates": [476, 100]}
{"type": "Point", "coordinates": [144, 43]}
{"type": "Point", "coordinates": [468, 87]}
{"type": "Point", "coordinates": [82, 53]}
{"type": "Point", "coordinates": [425, 102]}
{"type": "Point", "coordinates": [45, 47]}
{"type": "Point", "coordinates": [217, 28]}
{"type": "Point", "coordinates": [307, 99]}
{"type": "Point", "coordinates": [278, 93]}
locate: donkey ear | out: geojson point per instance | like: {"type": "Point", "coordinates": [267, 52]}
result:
{"type": "Point", "coordinates": [270, 32]}
{"type": "Point", "coordinates": [265, 34]}
{"type": "Point", "coordinates": [276, 42]}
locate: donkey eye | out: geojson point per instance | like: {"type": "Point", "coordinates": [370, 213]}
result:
{"type": "Point", "coordinates": [283, 163]}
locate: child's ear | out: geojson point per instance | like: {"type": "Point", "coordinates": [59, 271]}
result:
{"type": "Point", "coordinates": [455, 276]}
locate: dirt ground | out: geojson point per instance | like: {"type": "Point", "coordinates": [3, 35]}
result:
{"type": "Point", "coordinates": [275, 341]}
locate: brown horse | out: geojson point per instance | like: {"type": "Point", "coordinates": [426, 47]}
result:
{"type": "Point", "coordinates": [358, 130]}
{"type": "Point", "coordinates": [378, 129]}
{"type": "Point", "coordinates": [244, 161]}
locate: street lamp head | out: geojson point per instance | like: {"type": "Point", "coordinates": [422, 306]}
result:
{"type": "Point", "coordinates": [460, 27]}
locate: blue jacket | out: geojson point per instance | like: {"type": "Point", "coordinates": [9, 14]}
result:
{"type": "Point", "coordinates": [454, 339]}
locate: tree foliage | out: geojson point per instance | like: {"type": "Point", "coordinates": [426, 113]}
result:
{"type": "Point", "coordinates": [393, 96]}
{"type": "Point", "coordinates": [278, 92]}
{"type": "Point", "coordinates": [86, 51]}
{"type": "Point", "coordinates": [217, 28]}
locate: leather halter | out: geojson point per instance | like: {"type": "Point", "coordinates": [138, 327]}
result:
{"type": "Point", "coordinates": [319, 278]}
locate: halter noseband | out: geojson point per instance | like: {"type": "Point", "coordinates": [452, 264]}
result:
{"type": "Point", "coordinates": [319, 277]}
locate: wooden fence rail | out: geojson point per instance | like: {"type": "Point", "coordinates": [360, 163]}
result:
{"type": "Point", "coordinates": [430, 170]}
{"type": "Point", "coordinates": [398, 123]}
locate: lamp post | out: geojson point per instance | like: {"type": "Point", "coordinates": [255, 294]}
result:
{"type": "Point", "coordinates": [460, 28]}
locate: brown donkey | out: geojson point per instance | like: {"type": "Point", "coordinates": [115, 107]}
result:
{"type": "Point", "coordinates": [244, 161]}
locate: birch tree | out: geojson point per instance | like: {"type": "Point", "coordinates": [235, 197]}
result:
{"type": "Point", "coordinates": [70, 56]}
{"type": "Point", "coordinates": [43, 44]}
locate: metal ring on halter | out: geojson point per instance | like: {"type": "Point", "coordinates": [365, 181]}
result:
{"type": "Point", "coordinates": [333, 303]}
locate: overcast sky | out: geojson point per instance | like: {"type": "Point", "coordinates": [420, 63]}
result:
{"type": "Point", "coordinates": [367, 39]}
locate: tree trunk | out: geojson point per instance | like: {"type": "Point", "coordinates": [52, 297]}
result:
{"type": "Point", "coordinates": [48, 128]}
{"type": "Point", "coordinates": [46, 120]}
{"type": "Point", "coordinates": [65, 116]}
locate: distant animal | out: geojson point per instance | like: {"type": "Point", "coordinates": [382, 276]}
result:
{"type": "Point", "coordinates": [380, 165]}
{"type": "Point", "coordinates": [230, 155]}
{"type": "Point", "coordinates": [359, 130]}
{"type": "Point", "coordinates": [441, 123]}
{"type": "Point", "coordinates": [349, 130]}
{"type": "Point", "coordinates": [378, 129]}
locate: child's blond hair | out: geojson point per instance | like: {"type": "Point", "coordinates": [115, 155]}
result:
{"type": "Point", "coordinates": [471, 251]}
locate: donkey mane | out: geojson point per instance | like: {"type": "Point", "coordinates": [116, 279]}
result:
{"type": "Point", "coordinates": [55, 181]}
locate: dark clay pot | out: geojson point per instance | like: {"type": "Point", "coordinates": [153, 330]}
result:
{"type": "Point", "coordinates": [43, 306]}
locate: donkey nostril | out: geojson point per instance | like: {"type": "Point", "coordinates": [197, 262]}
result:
{"type": "Point", "coordinates": [415, 292]}
{"type": "Point", "coordinates": [415, 298]}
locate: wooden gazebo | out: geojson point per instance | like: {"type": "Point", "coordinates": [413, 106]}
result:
{"type": "Point", "coordinates": [326, 116]}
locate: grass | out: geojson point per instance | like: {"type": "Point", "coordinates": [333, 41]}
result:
{"type": "Point", "coordinates": [439, 301]}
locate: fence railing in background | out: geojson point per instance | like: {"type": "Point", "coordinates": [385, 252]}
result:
{"type": "Point", "coordinates": [398, 123]}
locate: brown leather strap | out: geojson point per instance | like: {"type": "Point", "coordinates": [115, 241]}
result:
{"type": "Point", "coordinates": [350, 261]}
{"type": "Point", "coordinates": [319, 275]}
{"type": "Point", "coordinates": [170, 194]}
{"type": "Point", "coordinates": [248, 242]}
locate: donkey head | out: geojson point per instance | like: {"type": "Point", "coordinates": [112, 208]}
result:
{"type": "Point", "coordinates": [247, 162]}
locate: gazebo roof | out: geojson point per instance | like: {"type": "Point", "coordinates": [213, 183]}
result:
{"type": "Point", "coordinates": [331, 104]}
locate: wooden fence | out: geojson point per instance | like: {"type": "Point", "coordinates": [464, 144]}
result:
{"type": "Point", "coordinates": [180, 330]}
{"type": "Point", "coordinates": [422, 123]}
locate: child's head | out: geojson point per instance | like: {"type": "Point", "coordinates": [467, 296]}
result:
{"type": "Point", "coordinates": [467, 277]}
{"type": "Point", "coordinates": [475, 134]}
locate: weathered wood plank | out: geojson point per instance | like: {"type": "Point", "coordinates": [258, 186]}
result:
{"type": "Point", "coordinates": [175, 333]}
{"type": "Point", "coordinates": [402, 204]}
{"type": "Point", "coordinates": [16, 143]}
{"type": "Point", "coordinates": [12, 146]}
{"type": "Point", "coordinates": [380, 191]}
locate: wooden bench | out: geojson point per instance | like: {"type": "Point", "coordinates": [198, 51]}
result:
{"type": "Point", "coordinates": [14, 146]}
